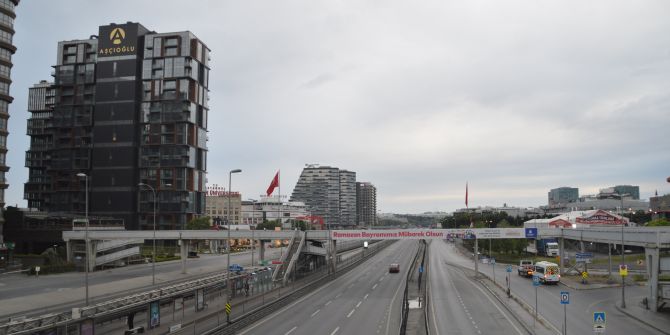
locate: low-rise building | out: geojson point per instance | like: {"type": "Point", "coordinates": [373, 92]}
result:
{"type": "Point", "coordinates": [270, 209]}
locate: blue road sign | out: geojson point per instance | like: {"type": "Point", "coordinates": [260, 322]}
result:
{"type": "Point", "coordinates": [536, 281]}
{"type": "Point", "coordinates": [509, 268]}
{"type": "Point", "coordinates": [421, 269]}
{"type": "Point", "coordinates": [565, 298]}
{"type": "Point", "coordinates": [493, 261]}
{"type": "Point", "coordinates": [599, 322]}
{"type": "Point", "coordinates": [531, 232]}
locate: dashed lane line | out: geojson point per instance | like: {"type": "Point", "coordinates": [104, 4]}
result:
{"type": "Point", "coordinates": [335, 331]}
{"type": "Point", "coordinates": [351, 313]}
{"type": "Point", "coordinates": [315, 313]}
{"type": "Point", "coordinates": [290, 331]}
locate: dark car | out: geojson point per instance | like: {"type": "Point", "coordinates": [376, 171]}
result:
{"type": "Point", "coordinates": [394, 268]}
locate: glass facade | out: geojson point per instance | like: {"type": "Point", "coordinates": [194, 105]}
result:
{"type": "Point", "coordinates": [149, 126]}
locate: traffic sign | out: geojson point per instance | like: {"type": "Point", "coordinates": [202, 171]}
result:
{"type": "Point", "coordinates": [583, 257]}
{"type": "Point", "coordinates": [599, 322]}
{"type": "Point", "coordinates": [536, 281]}
{"type": "Point", "coordinates": [531, 232]}
{"type": "Point", "coordinates": [565, 298]}
{"type": "Point", "coordinates": [493, 261]}
{"type": "Point", "coordinates": [421, 269]}
{"type": "Point", "coordinates": [509, 268]}
{"type": "Point", "coordinates": [228, 308]}
{"type": "Point", "coordinates": [623, 270]}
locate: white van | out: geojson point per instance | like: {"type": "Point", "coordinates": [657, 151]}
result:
{"type": "Point", "coordinates": [547, 272]}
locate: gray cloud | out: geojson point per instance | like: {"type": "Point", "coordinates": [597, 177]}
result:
{"type": "Point", "coordinates": [418, 98]}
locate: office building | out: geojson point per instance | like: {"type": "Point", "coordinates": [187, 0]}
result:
{"type": "Point", "coordinates": [223, 206]}
{"type": "Point", "coordinates": [7, 49]}
{"type": "Point", "coordinates": [625, 191]}
{"type": "Point", "coordinates": [129, 107]}
{"type": "Point", "coordinates": [563, 195]}
{"type": "Point", "coordinates": [328, 192]}
{"type": "Point", "coordinates": [366, 204]}
{"type": "Point", "coordinates": [269, 209]}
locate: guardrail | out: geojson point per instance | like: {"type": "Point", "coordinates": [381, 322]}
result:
{"type": "Point", "coordinates": [404, 311]}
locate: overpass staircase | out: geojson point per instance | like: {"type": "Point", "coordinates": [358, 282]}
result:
{"type": "Point", "coordinates": [290, 258]}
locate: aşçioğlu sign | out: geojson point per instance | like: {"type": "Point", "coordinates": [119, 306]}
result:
{"type": "Point", "coordinates": [420, 234]}
{"type": "Point", "coordinates": [117, 40]}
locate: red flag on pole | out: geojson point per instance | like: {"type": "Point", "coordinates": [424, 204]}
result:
{"type": "Point", "coordinates": [273, 184]}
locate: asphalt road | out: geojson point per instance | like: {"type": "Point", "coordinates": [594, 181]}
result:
{"type": "Point", "coordinates": [365, 300]}
{"type": "Point", "coordinates": [458, 304]}
{"type": "Point", "coordinates": [582, 302]}
{"type": "Point", "coordinates": [20, 294]}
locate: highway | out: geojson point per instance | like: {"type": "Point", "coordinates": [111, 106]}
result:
{"type": "Point", "coordinates": [458, 304]}
{"type": "Point", "coordinates": [22, 294]}
{"type": "Point", "coordinates": [582, 302]}
{"type": "Point", "coordinates": [365, 300]}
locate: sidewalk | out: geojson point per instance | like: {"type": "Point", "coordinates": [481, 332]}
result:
{"type": "Point", "coordinates": [657, 320]}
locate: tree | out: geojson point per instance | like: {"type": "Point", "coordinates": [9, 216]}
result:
{"type": "Point", "coordinates": [302, 225]}
{"type": "Point", "coordinates": [268, 225]}
{"type": "Point", "coordinates": [199, 223]}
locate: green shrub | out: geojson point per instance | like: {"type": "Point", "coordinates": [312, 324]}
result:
{"type": "Point", "coordinates": [50, 269]}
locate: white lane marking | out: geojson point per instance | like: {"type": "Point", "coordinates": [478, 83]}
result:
{"type": "Point", "coordinates": [338, 295]}
{"type": "Point", "coordinates": [374, 287]}
{"type": "Point", "coordinates": [328, 303]}
{"type": "Point", "coordinates": [335, 331]}
{"type": "Point", "coordinates": [382, 278]}
{"type": "Point", "coordinates": [290, 331]}
{"type": "Point", "coordinates": [366, 296]}
{"type": "Point", "coordinates": [350, 313]}
{"type": "Point", "coordinates": [359, 304]}
{"type": "Point", "coordinates": [315, 313]}
{"type": "Point", "coordinates": [497, 307]}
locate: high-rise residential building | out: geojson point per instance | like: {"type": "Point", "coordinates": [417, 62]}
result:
{"type": "Point", "coordinates": [366, 204]}
{"type": "Point", "coordinates": [130, 107]}
{"type": "Point", "coordinates": [40, 129]}
{"type": "Point", "coordinates": [328, 192]}
{"type": "Point", "coordinates": [7, 49]}
{"type": "Point", "coordinates": [563, 195]}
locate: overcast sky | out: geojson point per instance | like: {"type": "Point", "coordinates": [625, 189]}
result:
{"type": "Point", "coordinates": [417, 97]}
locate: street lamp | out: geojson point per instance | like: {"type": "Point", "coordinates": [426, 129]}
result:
{"type": "Point", "coordinates": [153, 256]}
{"type": "Point", "coordinates": [85, 176]}
{"type": "Point", "coordinates": [623, 260]}
{"type": "Point", "coordinates": [230, 177]}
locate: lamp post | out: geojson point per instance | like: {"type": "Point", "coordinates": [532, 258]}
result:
{"type": "Point", "coordinates": [85, 176]}
{"type": "Point", "coordinates": [230, 178]}
{"type": "Point", "coordinates": [623, 260]}
{"type": "Point", "coordinates": [153, 255]}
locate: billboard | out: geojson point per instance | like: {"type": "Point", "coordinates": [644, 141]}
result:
{"type": "Point", "coordinates": [420, 234]}
{"type": "Point", "coordinates": [117, 40]}
{"type": "Point", "coordinates": [154, 314]}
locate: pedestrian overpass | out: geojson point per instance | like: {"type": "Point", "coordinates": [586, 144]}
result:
{"type": "Point", "coordinates": [652, 239]}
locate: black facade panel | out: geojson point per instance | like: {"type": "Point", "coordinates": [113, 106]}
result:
{"type": "Point", "coordinates": [117, 68]}
{"type": "Point", "coordinates": [115, 112]}
{"type": "Point", "coordinates": [114, 134]}
{"type": "Point", "coordinates": [119, 177]}
{"type": "Point", "coordinates": [115, 156]}
{"type": "Point", "coordinates": [109, 201]}
{"type": "Point", "coordinates": [114, 91]}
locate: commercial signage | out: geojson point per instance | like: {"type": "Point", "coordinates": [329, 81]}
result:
{"type": "Point", "coordinates": [117, 40]}
{"type": "Point", "coordinates": [220, 191]}
{"type": "Point", "coordinates": [420, 234]}
{"type": "Point", "coordinates": [531, 232]}
{"type": "Point", "coordinates": [600, 217]}
{"type": "Point", "coordinates": [154, 314]}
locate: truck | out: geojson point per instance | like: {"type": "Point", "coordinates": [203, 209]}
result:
{"type": "Point", "coordinates": [547, 247]}
{"type": "Point", "coordinates": [525, 268]}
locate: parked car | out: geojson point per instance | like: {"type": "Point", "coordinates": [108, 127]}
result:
{"type": "Point", "coordinates": [394, 268]}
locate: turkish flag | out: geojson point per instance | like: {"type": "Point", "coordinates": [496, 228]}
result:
{"type": "Point", "coordinates": [273, 184]}
{"type": "Point", "coordinates": [466, 194]}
